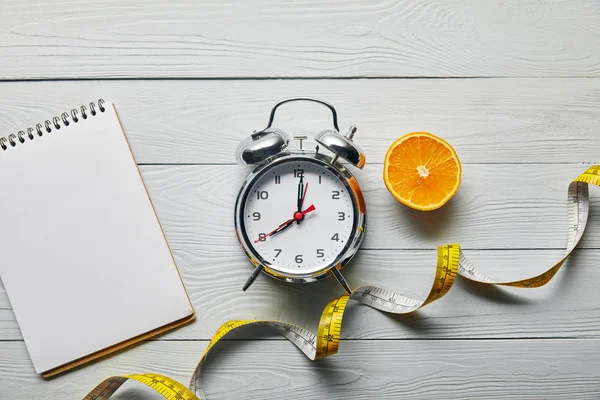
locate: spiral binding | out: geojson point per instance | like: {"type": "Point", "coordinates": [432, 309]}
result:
{"type": "Point", "coordinates": [55, 122]}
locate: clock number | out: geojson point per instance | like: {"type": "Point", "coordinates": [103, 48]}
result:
{"type": "Point", "coordinates": [278, 252]}
{"type": "Point", "coordinates": [277, 179]}
{"type": "Point", "coordinates": [261, 195]}
{"type": "Point", "coordinates": [341, 216]}
{"type": "Point", "coordinates": [320, 253]}
{"type": "Point", "coordinates": [256, 216]}
{"type": "Point", "coordinates": [320, 179]}
{"type": "Point", "coordinates": [298, 172]}
{"type": "Point", "coordinates": [299, 259]}
{"type": "Point", "coordinates": [262, 237]}
{"type": "Point", "coordinates": [335, 237]}
{"type": "Point", "coordinates": [335, 195]}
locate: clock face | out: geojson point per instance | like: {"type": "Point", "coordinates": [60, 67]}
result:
{"type": "Point", "coordinates": [298, 217]}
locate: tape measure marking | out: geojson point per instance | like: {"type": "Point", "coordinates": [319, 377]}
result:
{"type": "Point", "coordinates": [169, 388]}
{"type": "Point", "coordinates": [450, 262]}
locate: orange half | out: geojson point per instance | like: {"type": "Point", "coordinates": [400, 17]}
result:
{"type": "Point", "coordinates": [422, 171]}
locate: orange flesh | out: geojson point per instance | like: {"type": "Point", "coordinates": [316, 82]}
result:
{"type": "Point", "coordinates": [422, 171]}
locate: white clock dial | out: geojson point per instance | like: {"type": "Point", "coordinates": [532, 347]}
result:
{"type": "Point", "coordinates": [295, 242]}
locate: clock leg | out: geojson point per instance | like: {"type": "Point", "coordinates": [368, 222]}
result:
{"type": "Point", "coordinates": [252, 277]}
{"type": "Point", "coordinates": [338, 276]}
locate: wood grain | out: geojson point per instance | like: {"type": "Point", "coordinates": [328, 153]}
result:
{"type": "Point", "coordinates": [419, 369]}
{"type": "Point", "coordinates": [522, 135]}
{"type": "Point", "coordinates": [567, 307]}
{"type": "Point", "coordinates": [507, 206]}
{"type": "Point", "coordinates": [486, 120]}
{"type": "Point", "coordinates": [527, 226]}
{"type": "Point", "coordinates": [353, 38]}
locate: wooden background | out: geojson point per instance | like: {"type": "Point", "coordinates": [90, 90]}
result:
{"type": "Point", "coordinates": [513, 85]}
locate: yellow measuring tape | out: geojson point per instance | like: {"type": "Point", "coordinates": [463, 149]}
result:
{"type": "Point", "coordinates": [450, 262]}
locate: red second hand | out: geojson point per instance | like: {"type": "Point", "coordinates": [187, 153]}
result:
{"type": "Point", "coordinates": [304, 195]}
{"type": "Point", "coordinates": [280, 227]}
{"type": "Point", "coordinates": [309, 209]}
{"type": "Point", "coordinates": [297, 216]}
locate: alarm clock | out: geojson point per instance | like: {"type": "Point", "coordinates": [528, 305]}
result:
{"type": "Point", "coordinates": [300, 215]}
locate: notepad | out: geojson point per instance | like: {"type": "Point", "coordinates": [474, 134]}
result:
{"type": "Point", "coordinates": [83, 258]}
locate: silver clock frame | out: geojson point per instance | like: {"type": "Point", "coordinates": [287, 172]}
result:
{"type": "Point", "coordinates": [358, 229]}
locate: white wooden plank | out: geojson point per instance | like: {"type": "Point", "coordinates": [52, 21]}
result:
{"type": "Point", "coordinates": [497, 206]}
{"type": "Point", "coordinates": [567, 307]}
{"type": "Point", "coordinates": [258, 38]}
{"type": "Point", "coordinates": [421, 369]}
{"type": "Point", "coordinates": [486, 120]}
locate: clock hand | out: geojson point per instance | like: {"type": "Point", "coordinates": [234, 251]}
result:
{"type": "Point", "coordinates": [298, 216]}
{"type": "Point", "coordinates": [280, 228]}
{"type": "Point", "coordinates": [304, 195]}
{"type": "Point", "coordinates": [276, 230]}
{"type": "Point", "coordinates": [310, 208]}
{"type": "Point", "coordinates": [300, 196]}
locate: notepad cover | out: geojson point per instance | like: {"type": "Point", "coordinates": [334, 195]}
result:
{"type": "Point", "coordinates": [83, 258]}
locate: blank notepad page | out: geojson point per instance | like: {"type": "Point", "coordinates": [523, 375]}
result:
{"type": "Point", "coordinates": [82, 254]}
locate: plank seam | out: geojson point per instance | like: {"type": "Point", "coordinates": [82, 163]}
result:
{"type": "Point", "coordinates": [289, 78]}
{"type": "Point", "coordinates": [454, 339]}
{"type": "Point", "coordinates": [145, 164]}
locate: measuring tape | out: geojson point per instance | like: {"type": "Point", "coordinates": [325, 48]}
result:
{"type": "Point", "coordinates": [450, 262]}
